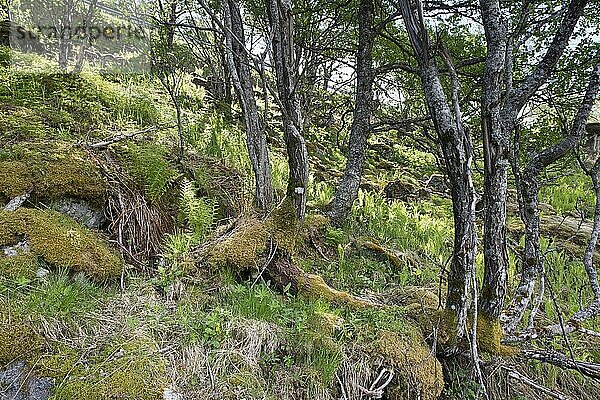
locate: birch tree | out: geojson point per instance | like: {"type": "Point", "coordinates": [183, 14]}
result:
{"type": "Point", "coordinates": [281, 24]}
{"type": "Point", "coordinates": [503, 100]}
{"type": "Point", "coordinates": [256, 139]}
{"type": "Point", "coordinates": [458, 157]}
{"type": "Point", "coordinates": [347, 190]}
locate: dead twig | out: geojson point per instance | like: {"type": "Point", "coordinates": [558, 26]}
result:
{"type": "Point", "coordinates": [522, 378]}
{"type": "Point", "coordinates": [118, 138]}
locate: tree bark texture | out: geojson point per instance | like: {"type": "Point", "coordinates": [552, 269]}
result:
{"type": "Point", "coordinates": [347, 190]}
{"type": "Point", "coordinates": [458, 154]}
{"type": "Point", "coordinates": [282, 45]}
{"type": "Point", "coordinates": [501, 105]}
{"type": "Point", "coordinates": [495, 147]}
{"type": "Point", "coordinates": [256, 138]}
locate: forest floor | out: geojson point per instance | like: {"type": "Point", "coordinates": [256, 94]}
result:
{"type": "Point", "coordinates": [106, 290]}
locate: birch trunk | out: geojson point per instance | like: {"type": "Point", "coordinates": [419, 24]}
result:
{"type": "Point", "coordinates": [347, 190]}
{"type": "Point", "coordinates": [495, 146]}
{"type": "Point", "coordinates": [256, 138]}
{"type": "Point", "coordinates": [282, 46]}
{"type": "Point", "coordinates": [458, 156]}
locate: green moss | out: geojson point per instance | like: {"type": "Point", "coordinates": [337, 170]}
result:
{"type": "Point", "coordinates": [409, 355]}
{"type": "Point", "coordinates": [60, 241]}
{"type": "Point", "coordinates": [51, 171]}
{"type": "Point", "coordinates": [489, 335]}
{"type": "Point", "coordinates": [242, 249]}
{"type": "Point", "coordinates": [489, 332]}
{"type": "Point", "coordinates": [17, 341]}
{"type": "Point", "coordinates": [19, 267]}
{"type": "Point", "coordinates": [69, 106]}
{"type": "Point", "coordinates": [284, 226]}
{"type": "Point", "coordinates": [62, 362]}
{"type": "Point", "coordinates": [131, 370]}
{"type": "Point", "coordinates": [249, 241]}
{"type": "Point", "coordinates": [325, 323]}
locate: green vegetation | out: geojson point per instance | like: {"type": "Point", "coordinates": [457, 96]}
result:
{"type": "Point", "coordinates": [214, 324]}
{"type": "Point", "coordinates": [50, 171]}
{"type": "Point", "coordinates": [60, 241]}
{"type": "Point", "coordinates": [48, 105]}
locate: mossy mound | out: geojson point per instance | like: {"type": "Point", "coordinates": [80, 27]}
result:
{"type": "Point", "coordinates": [60, 241]}
{"type": "Point", "coordinates": [133, 370]}
{"type": "Point", "coordinates": [21, 266]}
{"type": "Point", "coordinates": [17, 341]}
{"type": "Point", "coordinates": [245, 246]}
{"type": "Point", "coordinates": [421, 373]}
{"type": "Point", "coordinates": [50, 171]}
{"type": "Point", "coordinates": [241, 249]}
{"type": "Point", "coordinates": [42, 105]}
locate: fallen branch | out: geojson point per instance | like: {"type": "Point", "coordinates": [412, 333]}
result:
{"type": "Point", "coordinates": [522, 378]}
{"type": "Point", "coordinates": [549, 332]}
{"type": "Point", "coordinates": [397, 259]}
{"type": "Point", "coordinates": [589, 369]}
{"type": "Point", "coordinates": [115, 139]}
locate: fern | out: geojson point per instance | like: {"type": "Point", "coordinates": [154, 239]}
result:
{"type": "Point", "coordinates": [199, 213]}
{"type": "Point", "coordinates": [153, 169]}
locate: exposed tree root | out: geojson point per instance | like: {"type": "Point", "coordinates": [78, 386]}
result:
{"type": "Point", "coordinates": [397, 259]}
{"type": "Point", "coordinates": [267, 248]}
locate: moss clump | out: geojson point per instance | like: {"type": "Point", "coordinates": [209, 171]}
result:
{"type": "Point", "coordinates": [17, 341]}
{"type": "Point", "coordinates": [18, 267]}
{"type": "Point", "coordinates": [489, 335]}
{"type": "Point", "coordinates": [60, 241]}
{"type": "Point", "coordinates": [314, 286]}
{"type": "Point", "coordinates": [415, 297]}
{"type": "Point", "coordinates": [133, 370]}
{"type": "Point", "coordinates": [50, 171]}
{"type": "Point", "coordinates": [489, 332]}
{"type": "Point", "coordinates": [325, 323]}
{"type": "Point", "coordinates": [242, 249]}
{"type": "Point", "coordinates": [410, 355]}
{"type": "Point", "coordinates": [284, 226]}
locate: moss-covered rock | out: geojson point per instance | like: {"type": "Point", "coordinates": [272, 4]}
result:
{"type": "Point", "coordinates": [21, 266]}
{"type": "Point", "coordinates": [60, 241]}
{"type": "Point", "coordinates": [51, 172]}
{"type": "Point", "coordinates": [241, 249]}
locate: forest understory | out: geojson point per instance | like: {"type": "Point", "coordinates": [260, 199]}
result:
{"type": "Point", "coordinates": [164, 237]}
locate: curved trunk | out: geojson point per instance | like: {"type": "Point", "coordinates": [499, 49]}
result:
{"type": "Point", "coordinates": [347, 190]}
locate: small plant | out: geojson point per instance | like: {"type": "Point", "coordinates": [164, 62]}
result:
{"type": "Point", "coordinates": [153, 169]}
{"type": "Point", "coordinates": [197, 213]}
